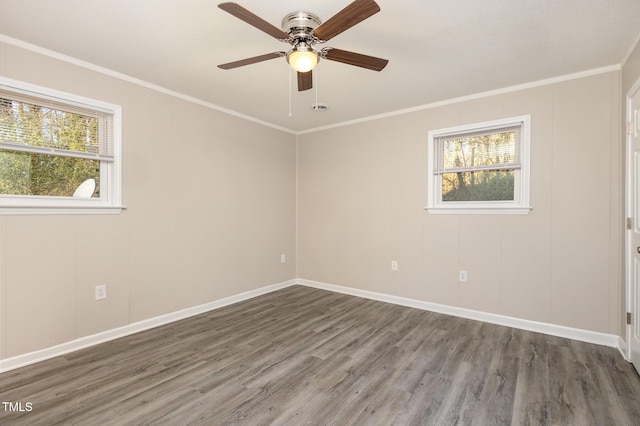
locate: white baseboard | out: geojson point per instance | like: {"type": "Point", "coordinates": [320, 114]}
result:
{"type": "Point", "coordinates": [116, 333]}
{"type": "Point", "coordinates": [604, 339]}
{"type": "Point", "coordinates": [622, 347]}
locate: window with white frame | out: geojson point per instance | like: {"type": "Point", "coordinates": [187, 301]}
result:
{"type": "Point", "coordinates": [480, 168]}
{"type": "Point", "coordinates": [59, 153]}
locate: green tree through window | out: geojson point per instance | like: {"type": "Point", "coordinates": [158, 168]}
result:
{"type": "Point", "coordinates": [474, 159]}
{"type": "Point", "coordinates": [65, 133]}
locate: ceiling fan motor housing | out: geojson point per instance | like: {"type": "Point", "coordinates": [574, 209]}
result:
{"type": "Point", "coordinates": [300, 24]}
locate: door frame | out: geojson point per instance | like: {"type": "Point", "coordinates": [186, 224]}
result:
{"type": "Point", "coordinates": [629, 256]}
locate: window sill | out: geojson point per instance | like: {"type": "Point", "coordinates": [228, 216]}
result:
{"type": "Point", "coordinates": [478, 210]}
{"type": "Point", "coordinates": [60, 210]}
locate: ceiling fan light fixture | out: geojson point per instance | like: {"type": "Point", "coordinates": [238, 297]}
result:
{"type": "Point", "coordinates": [302, 58]}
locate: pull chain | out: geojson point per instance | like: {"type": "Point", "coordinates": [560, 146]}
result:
{"type": "Point", "coordinates": [290, 82]}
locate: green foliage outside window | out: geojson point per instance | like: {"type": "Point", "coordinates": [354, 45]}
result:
{"type": "Point", "coordinates": [477, 167]}
{"type": "Point", "coordinates": [492, 185]}
{"type": "Point", "coordinates": [28, 173]}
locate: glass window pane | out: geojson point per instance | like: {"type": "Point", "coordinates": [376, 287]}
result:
{"type": "Point", "coordinates": [478, 151]}
{"type": "Point", "coordinates": [485, 185]}
{"type": "Point", "coordinates": [28, 124]}
{"type": "Point", "coordinates": [24, 173]}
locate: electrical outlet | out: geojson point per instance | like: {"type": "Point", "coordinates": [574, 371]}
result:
{"type": "Point", "coordinates": [101, 292]}
{"type": "Point", "coordinates": [462, 276]}
{"type": "Point", "coordinates": [283, 258]}
{"type": "Point", "coordinates": [394, 265]}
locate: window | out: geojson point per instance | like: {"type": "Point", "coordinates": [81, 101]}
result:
{"type": "Point", "coordinates": [480, 168]}
{"type": "Point", "coordinates": [59, 153]}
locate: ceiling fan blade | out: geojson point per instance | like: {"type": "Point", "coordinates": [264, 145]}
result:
{"type": "Point", "coordinates": [354, 13]}
{"type": "Point", "coordinates": [305, 80]}
{"type": "Point", "coordinates": [357, 59]}
{"type": "Point", "coordinates": [253, 60]}
{"type": "Point", "coordinates": [250, 18]}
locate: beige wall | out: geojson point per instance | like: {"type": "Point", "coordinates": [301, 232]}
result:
{"type": "Point", "coordinates": [210, 207]}
{"type": "Point", "coordinates": [362, 193]}
{"type": "Point", "coordinates": [212, 221]}
{"type": "Point", "coordinates": [631, 69]}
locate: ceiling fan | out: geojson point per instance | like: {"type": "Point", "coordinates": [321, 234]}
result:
{"type": "Point", "coordinates": [303, 30]}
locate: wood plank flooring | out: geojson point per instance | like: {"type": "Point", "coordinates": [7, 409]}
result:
{"type": "Point", "coordinates": [307, 356]}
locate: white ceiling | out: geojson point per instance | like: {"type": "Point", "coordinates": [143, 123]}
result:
{"type": "Point", "coordinates": [437, 49]}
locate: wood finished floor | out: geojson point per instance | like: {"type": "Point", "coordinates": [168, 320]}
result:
{"type": "Point", "coordinates": [307, 356]}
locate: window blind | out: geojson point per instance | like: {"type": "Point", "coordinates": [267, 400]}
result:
{"type": "Point", "coordinates": [486, 149]}
{"type": "Point", "coordinates": [45, 126]}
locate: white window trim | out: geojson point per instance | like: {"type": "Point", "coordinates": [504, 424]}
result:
{"type": "Point", "coordinates": [110, 201]}
{"type": "Point", "coordinates": [521, 203]}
